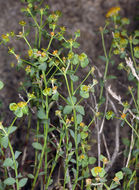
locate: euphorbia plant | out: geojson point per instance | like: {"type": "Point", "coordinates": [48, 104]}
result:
{"type": "Point", "coordinates": [53, 98]}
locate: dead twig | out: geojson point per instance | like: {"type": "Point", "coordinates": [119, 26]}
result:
{"type": "Point", "coordinates": [117, 135]}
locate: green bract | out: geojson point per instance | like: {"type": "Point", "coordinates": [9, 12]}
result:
{"type": "Point", "coordinates": [1, 85]}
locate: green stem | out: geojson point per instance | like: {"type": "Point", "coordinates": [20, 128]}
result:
{"type": "Point", "coordinates": [76, 67]}
{"type": "Point", "coordinates": [138, 93]}
{"type": "Point", "coordinates": [76, 134]}
{"type": "Point", "coordinates": [82, 82]}
{"type": "Point", "coordinates": [13, 122]}
{"type": "Point", "coordinates": [54, 164]}
{"type": "Point", "coordinates": [49, 70]}
{"type": "Point", "coordinates": [40, 34]}
{"type": "Point", "coordinates": [71, 82]}
{"type": "Point", "coordinates": [129, 183]}
{"type": "Point", "coordinates": [131, 127]}
{"type": "Point", "coordinates": [34, 19]}
{"type": "Point", "coordinates": [68, 88]}
{"type": "Point", "coordinates": [41, 3]}
{"type": "Point", "coordinates": [15, 166]}
{"type": "Point", "coordinates": [130, 90]}
{"type": "Point", "coordinates": [132, 54]}
{"type": "Point", "coordinates": [51, 39]}
{"type": "Point", "coordinates": [27, 42]}
{"type": "Point", "coordinates": [91, 122]}
{"type": "Point", "coordinates": [28, 63]}
{"type": "Point", "coordinates": [66, 159]}
{"type": "Point", "coordinates": [106, 186]}
{"type": "Point", "coordinates": [76, 150]}
{"type": "Point", "coordinates": [36, 37]}
{"type": "Point", "coordinates": [36, 152]}
{"type": "Point", "coordinates": [41, 157]}
{"type": "Point", "coordinates": [44, 152]}
{"type": "Point", "coordinates": [3, 158]}
{"type": "Point", "coordinates": [107, 63]}
{"type": "Point", "coordinates": [81, 99]}
{"type": "Point", "coordinates": [64, 98]}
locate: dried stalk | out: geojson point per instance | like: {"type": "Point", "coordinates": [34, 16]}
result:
{"type": "Point", "coordinates": [116, 149]}
{"type": "Point", "coordinates": [131, 147]}
{"type": "Point", "coordinates": [106, 147]}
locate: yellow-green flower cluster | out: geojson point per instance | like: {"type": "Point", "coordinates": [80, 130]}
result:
{"type": "Point", "coordinates": [19, 109]}
{"type": "Point", "coordinates": [113, 12]}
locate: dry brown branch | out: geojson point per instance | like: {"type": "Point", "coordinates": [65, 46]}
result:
{"type": "Point", "coordinates": [116, 149]}
{"type": "Point", "coordinates": [129, 63]}
{"type": "Point", "coordinates": [131, 147]}
{"type": "Point", "coordinates": [106, 147]}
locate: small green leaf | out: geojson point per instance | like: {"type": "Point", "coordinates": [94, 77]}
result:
{"type": "Point", "coordinates": [114, 185]}
{"type": "Point", "coordinates": [74, 100]}
{"type": "Point", "coordinates": [92, 160]}
{"type": "Point", "coordinates": [136, 54]}
{"type": "Point", "coordinates": [1, 85]}
{"type": "Point", "coordinates": [136, 152]}
{"type": "Point", "coordinates": [105, 31]}
{"type": "Point", "coordinates": [67, 109]}
{"type": "Point", "coordinates": [42, 66]}
{"type": "Point", "coordinates": [127, 171]}
{"type": "Point", "coordinates": [84, 91]}
{"type": "Point", "coordinates": [74, 78]}
{"type": "Point", "coordinates": [41, 114]}
{"type": "Point", "coordinates": [75, 59]}
{"type": "Point", "coordinates": [47, 91]}
{"type": "Point", "coordinates": [9, 181]}
{"type": "Point", "coordinates": [123, 55]}
{"type": "Point", "coordinates": [119, 175]}
{"type": "Point", "coordinates": [13, 166]}
{"type": "Point", "coordinates": [17, 154]}
{"type": "Point", "coordinates": [79, 118]}
{"type": "Point", "coordinates": [18, 112]}
{"type": "Point", "coordinates": [8, 162]}
{"type": "Point", "coordinates": [55, 96]}
{"type": "Point", "coordinates": [83, 60]}
{"type": "Point", "coordinates": [101, 174]}
{"type": "Point", "coordinates": [111, 77]}
{"type": "Point", "coordinates": [135, 41]}
{"type": "Point", "coordinates": [30, 176]}
{"type": "Point", "coordinates": [137, 32]}
{"type": "Point", "coordinates": [66, 44]}
{"type": "Point", "coordinates": [4, 141]}
{"type": "Point", "coordinates": [25, 110]}
{"type": "Point", "coordinates": [112, 62]}
{"type": "Point", "coordinates": [131, 76]}
{"type": "Point", "coordinates": [84, 135]}
{"type": "Point", "coordinates": [73, 161]}
{"type": "Point", "coordinates": [43, 59]}
{"type": "Point", "coordinates": [80, 109]}
{"type": "Point", "coordinates": [126, 142]}
{"type": "Point", "coordinates": [41, 173]}
{"type": "Point", "coordinates": [23, 182]}
{"type": "Point", "coordinates": [103, 58]}
{"type": "Point", "coordinates": [37, 145]}
{"type": "Point", "coordinates": [110, 115]}
{"type": "Point", "coordinates": [125, 20]}
{"type": "Point", "coordinates": [13, 106]}
{"type": "Point", "coordinates": [84, 94]}
{"type": "Point", "coordinates": [98, 171]}
{"type": "Point", "coordinates": [72, 133]}
{"type": "Point", "coordinates": [75, 44]}
{"type": "Point", "coordinates": [77, 34]}
{"type": "Point", "coordinates": [11, 129]}
{"type": "Point", "coordinates": [78, 138]}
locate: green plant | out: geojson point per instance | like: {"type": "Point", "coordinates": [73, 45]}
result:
{"type": "Point", "coordinates": [66, 139]}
